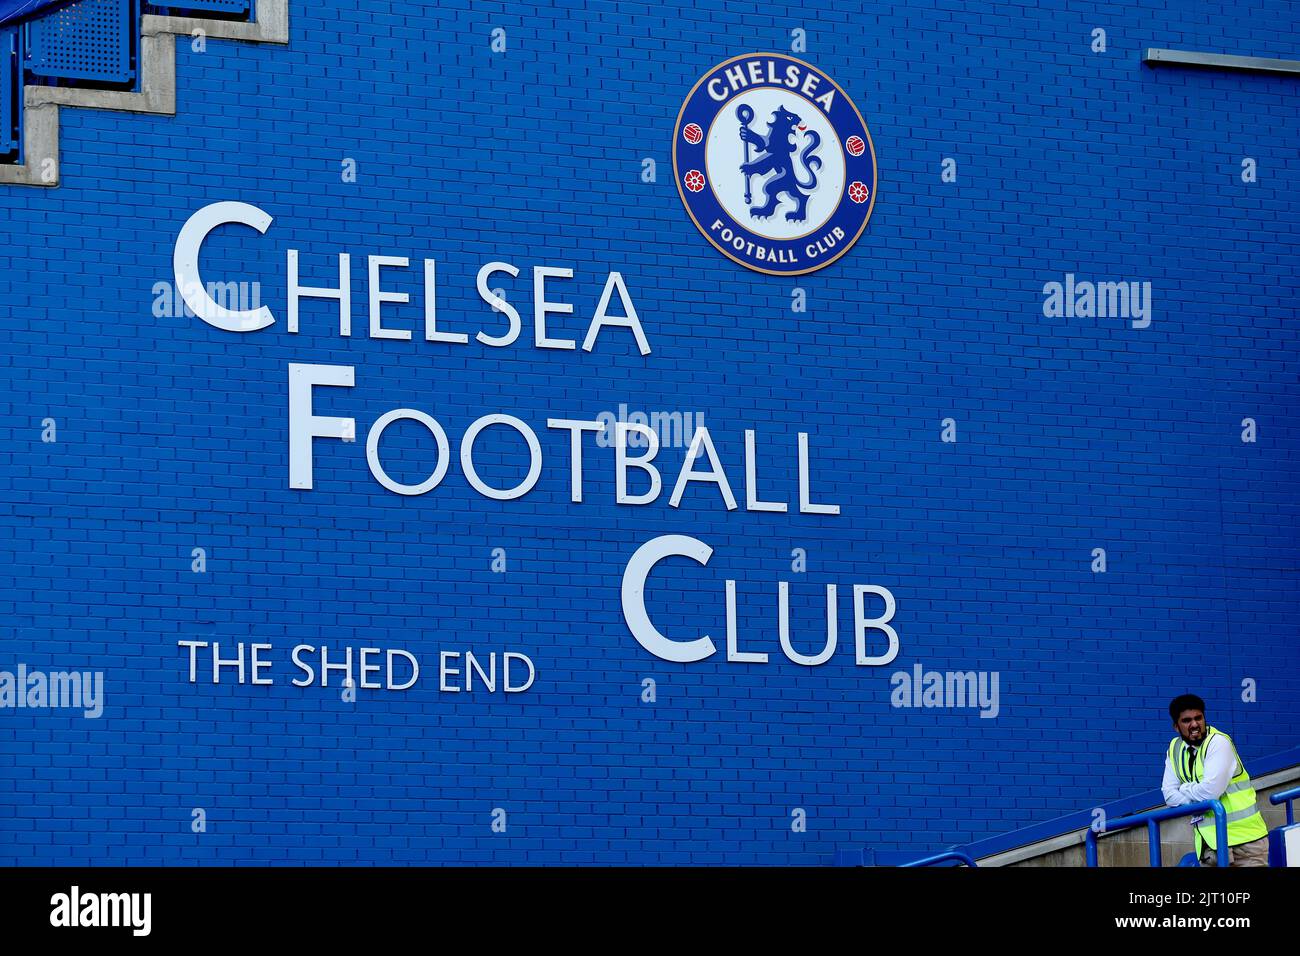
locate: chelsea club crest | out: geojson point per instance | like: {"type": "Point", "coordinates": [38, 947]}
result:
{"type": "Point", "coordinates": [774, 163]}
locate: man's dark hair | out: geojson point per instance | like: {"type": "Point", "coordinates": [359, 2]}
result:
{"type": "Point", "coordinates": [1185, 702]}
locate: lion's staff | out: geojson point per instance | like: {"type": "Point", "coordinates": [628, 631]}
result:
{"type": "Point", "coordinates": [745, 113]}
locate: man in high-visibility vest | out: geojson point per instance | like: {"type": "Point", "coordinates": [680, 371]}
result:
{"type": "Point", "coordinates": [1201, 763]}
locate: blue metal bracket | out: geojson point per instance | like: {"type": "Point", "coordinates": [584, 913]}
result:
{"type": "Point", "coordinates": [11, 91]}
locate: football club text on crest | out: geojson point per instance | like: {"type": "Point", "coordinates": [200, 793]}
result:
{"type": "Point", "coordinates": [774, 164]}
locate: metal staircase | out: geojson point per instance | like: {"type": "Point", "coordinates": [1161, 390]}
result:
{"type": "Point", "coordinates": [108, 55]}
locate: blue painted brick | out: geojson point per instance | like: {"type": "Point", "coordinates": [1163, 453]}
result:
{"type": "Point", "coordinates": [1074, 434]}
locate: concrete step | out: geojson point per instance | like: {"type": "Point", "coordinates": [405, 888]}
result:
{"type": "Point", "coordinates": [157, 94]}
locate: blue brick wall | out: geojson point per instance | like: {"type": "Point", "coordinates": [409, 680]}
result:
{"type": "Point", "coordinates": [1073, 434]}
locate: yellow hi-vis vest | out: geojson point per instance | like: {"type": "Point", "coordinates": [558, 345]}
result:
{"type": "Point", "coordinates": [1245, 823]}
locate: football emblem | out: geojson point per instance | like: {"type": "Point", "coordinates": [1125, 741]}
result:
{"type": "Point", "coordinates": [761, 169]}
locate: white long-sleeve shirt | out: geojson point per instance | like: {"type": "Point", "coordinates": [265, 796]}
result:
{"type": "Point", "coordinates": [1220, 760]}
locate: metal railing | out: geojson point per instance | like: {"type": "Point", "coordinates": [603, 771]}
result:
{"type": "Point", "coordinates": [1286, 796]}
{"type": "Point", "coordinates": [964, 858]}
{"type": "Point", "coordinates": [1152, 819]}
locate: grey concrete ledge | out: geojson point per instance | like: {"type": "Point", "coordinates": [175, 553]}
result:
{"type": "Point", "coordinates": [270, 26]}
{"type": "Point", "coordinates": [1219, 61]}
{"type": "Point", "coordinates": [157, 84]}
{"type": "Point", "coordinates": [40, 149]}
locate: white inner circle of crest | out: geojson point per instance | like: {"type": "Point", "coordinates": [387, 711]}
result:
{"type": "Point", "coordinates": [776, 191]}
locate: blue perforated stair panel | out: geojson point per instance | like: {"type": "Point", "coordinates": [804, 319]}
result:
{"type": "Point", "coordinates": [88, 40]}
{"type": "Point", "coordinates": [206, 6]}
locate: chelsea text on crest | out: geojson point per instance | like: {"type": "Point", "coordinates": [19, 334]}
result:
{"type": "Point", "coordinates": [765, 72]}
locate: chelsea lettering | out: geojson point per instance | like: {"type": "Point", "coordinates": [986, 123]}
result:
{"type": "Point", "coordinates": [771, 72]}
{"type": "Point", "coordinates": [503, 330]}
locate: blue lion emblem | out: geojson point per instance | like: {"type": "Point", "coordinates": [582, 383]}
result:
{"type": "Point", "coordinates": [778, 155]}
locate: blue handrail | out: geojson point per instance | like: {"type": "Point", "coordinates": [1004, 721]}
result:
{"type": "Point", "coordinates": [1152, 819]}
{"type": "Point", "coordinates": [965, 858]}
{"type": "Point", "coordinates": [1288, 796]}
